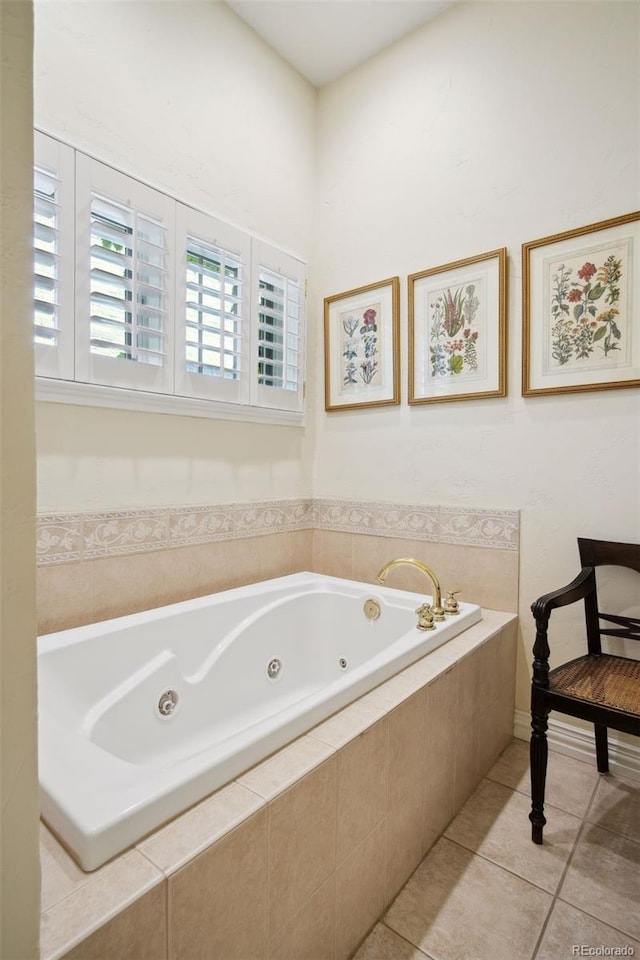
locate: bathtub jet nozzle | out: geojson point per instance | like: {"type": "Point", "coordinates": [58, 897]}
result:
{"type": "Point", "coordinates": [167, 703]}
{"type": "Point", "coordinates": [273, 668]}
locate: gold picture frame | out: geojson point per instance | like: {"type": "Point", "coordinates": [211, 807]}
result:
{"type": "Point", "coordinates": [581, 309]}
{"type": "Point", "coordinates": [458, 331]}
{"type": "Point", "coordinates": [362, 347]}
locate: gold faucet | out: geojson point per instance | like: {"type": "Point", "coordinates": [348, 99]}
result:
{"type": "Point", "coordinates": [438, 609]}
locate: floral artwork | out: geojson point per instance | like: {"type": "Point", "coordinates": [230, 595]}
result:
{"type": "Point", "coordinates": [581, 291]}
{"type": "Point", "coordinates": [457, 330]}
{"type": "Point", "coordinates": [588, 314]}
{"type": "Point", "coordinates": [360, 346]}
{"type": "Point", "coordinates": [454, 330]}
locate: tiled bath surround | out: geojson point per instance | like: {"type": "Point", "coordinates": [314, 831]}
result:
{"type": "Point", "coordinates": [100, 565]}
{"type": "Point", "coordinates": [301, 855]}
{"type": "Point", "coordinates": [298, 857]}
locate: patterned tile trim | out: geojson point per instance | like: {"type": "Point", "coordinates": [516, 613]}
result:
{"type": "Point", "coordinates": [378, 519]}
{"type": "Point", "coordinates": [61, 539]}
{"type": "Point", "coordinates": [480, 528]}
{"type": "Point", "coordinates": [58, 539]}
{"type": "Point", "coordinates": [467, 526]}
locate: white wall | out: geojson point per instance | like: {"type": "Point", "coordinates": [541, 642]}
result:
{"type": "Point", "coordinates": [495, 124]}
{"type": "Point", "coordinates": [186, 97]}
{"type": "Point", "coordinates": [20, 893]}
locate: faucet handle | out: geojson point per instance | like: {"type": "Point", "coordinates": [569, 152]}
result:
{"type": "Point", "coordinates": [425, 617]}
{"type": "Point", "coordinates": [451, 605]}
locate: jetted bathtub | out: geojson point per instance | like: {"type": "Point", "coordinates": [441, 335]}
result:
{"type": "Point", "coordinates": [142, 716]}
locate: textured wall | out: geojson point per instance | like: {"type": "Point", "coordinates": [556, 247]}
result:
{"type": "Point", "coordinates": [190, 100]}
{"type": "Point", "coordinates": [493, 125]}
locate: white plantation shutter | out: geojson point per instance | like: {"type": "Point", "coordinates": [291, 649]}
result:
{"type": "Point", "coordinates": [46, 228]}
{"type": "Point", "coordinates": [124, 334]}
{"type": "Point", "coordinates": [211, 308]}
{"type": "Point", "coordinates": [53, 232]}
{"type": "Point", "coordinates": [278, 348]}
{"type": "Point", "coordinates": [142, 302]}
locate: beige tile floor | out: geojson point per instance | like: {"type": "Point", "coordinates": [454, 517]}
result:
{"type": "Point", "coordinates": [486, 892]}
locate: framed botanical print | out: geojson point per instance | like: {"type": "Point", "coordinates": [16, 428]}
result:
{"type": "Point", "coordinates": [457, 330]}
{"type": "Point", "coordinates": [581, 309]}
{"type": "Point", "coordinates": [361, 346]}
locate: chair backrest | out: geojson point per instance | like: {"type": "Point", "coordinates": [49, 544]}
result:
{"type": "Point", "coordinates": [599, 553]}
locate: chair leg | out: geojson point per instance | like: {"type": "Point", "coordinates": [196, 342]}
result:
{"type": "Point", "coordinates": [602, 748]}
{"type": "Point", "coordinates": [538, 756]}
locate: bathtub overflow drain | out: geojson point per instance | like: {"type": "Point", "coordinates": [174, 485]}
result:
{"type": "Point", "coordinates": [342, 663]}
{"type": "Point", "coordinates": [273, 668]}
{"type": "Point", "coordinates": [167, 703]}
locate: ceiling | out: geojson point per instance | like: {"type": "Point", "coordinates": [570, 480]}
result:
{"type": "Point", "coordinates": [324, 39]}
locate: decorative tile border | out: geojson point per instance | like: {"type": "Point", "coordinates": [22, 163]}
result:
{"type": "Point", "coordinates": [58, 539]}
{"type": "Point", "coordinates": [461, 525]}
{"type": "Point", "coordinates": [108, 534]}
{"type": "Point", "coordinates": [378, 519]}
{"type": "Point", "coordinates": [480, 528]}
{"type": "Point", "coordinates": [87, 536]}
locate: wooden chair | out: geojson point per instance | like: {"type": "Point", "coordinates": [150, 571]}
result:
{"type": "Point", "coordinates": [598, 687]}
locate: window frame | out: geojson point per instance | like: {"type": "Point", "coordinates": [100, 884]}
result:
{"type": "Point", "coordinates": [210, 232]}
{"type": "Point", "coordinates": [85, 378]}
{"type": "Point", "coordinates": [266, 257]}
{"type": "Point", "coordinates": [95, 178]}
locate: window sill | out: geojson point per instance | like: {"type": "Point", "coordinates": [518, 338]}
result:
{"type": "Point", "coordinates": [93, 395]}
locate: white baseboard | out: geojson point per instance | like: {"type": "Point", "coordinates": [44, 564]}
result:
{"type": "Point", "coordinates": [576, 742]}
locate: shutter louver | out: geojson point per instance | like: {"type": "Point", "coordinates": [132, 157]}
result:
{"type": "Point", "coordinates": [212, 335]}
{"type": "Point", "coordinates": [46, 225]}
{"type": "Point", "coordinates": [214, 297]}
{"type": "Point", "coordinates": [278, 331]}
{"type": "Point", "coordinates": [278, 328]}
{"type": "Point", "coordinates": [53, 258]}
{"type": "Point", "coordinates": [127, 284]}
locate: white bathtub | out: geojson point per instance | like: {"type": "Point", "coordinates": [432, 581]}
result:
{"type": "Point", "coordinates": [114, 766]}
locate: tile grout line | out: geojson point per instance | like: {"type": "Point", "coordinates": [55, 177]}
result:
{"type": "Point", "coordinates": [605, 829]}
{"type": "Point", "coordinates": [553, 806]}
{"type": "Point", "coordinates": [335, 855]}
{"type": "Point", "coordinates": [268, 931]}
{"type": "Point", "coordinates": [584, 824]}
{"type": "Point", "coordinates": [404, 940]}
{"type": "Point", "coordinates": [499, 866]}
{"type": "Point", "coordinates": [167, 919]}
{"type": "Point", "coordinates": [556, 895]}
{"type": "Point", "coordinates": [590, 823]}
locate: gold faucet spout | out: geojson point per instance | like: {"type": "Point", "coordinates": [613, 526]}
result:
{"type": "Point", "coordinates": [438, 610]}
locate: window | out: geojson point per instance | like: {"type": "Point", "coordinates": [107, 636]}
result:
{"type": "Point", "coordinates": [213, 326]}
{"type": "Point", "coordinates": [127, 286]}
{"type": "Point", "coordinates": [124, 285]}
{"type": "Point", "coordinates": [46, 260]}
{"type": "Point", "coordinates": [213, 334]}
{"type": "Point", "coordinates": [279, 284]}
{"type": "Point", "coordinates": [53, 256]}
{"type": "Point", "coordinates": [141, 301]}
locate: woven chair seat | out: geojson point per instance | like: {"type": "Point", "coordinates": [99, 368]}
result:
{"type": "Point", "coordinates": [610, 681]}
